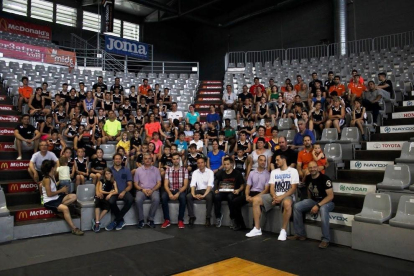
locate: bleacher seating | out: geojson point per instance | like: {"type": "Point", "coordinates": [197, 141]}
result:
{"type": "Point", "coordinates": [405, 213]}
{"type": "Point", "coordinates": [376, 209]}
{"type": "Point", "coordinates": [396, 177]}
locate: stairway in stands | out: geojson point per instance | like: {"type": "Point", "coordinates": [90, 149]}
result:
{"type": "Point", "coordinates": [361, 174]}
{"type": "Point", "coordinates": [209, 92]}
{"type": "Point", "coordinates": [22, 194]}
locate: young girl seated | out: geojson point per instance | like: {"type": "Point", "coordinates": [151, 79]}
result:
{"type": "Point", "coordinates": [189, 133]}
{"type": "Point", "coordinates": [124, 143]}
{"type": "Point", "coordinates": [105, 189]}
{"type": "Point", "coordinates": [319, 158]}
{"type": "Point", "coordinates": [359, 117]}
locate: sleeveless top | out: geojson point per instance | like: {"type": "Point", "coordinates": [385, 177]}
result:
{"type": "Point", "coordinates": [317, 116]}
{"type": "Point", "coordinates": [89, 104]}
{"type": "Point", "coordinates": [336, 111]}
{"type": "Point", "coordinates": [108, 106]}
{"type": "Point", "coordinates": [52, 188]}
{"type": "Point", "coordinates": [262, 108]}
{"type": "Point", "coordinates": [37, 103]}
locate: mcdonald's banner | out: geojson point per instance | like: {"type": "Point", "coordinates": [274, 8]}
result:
{"type": "Point", "coordinates": [25, 28]}
{"type": "Point", "coordinates": [6, 131]}
{"type": "Point", "coordinates": [14, 165]}
{"type": "Point", "coordinates": [9, 118]}
{"type": "Point", "coordinates": [24, 51]}
{"type": "Point", "coordinates": [22, 187]}
{"type": "Point", "coordinates": [3, 98]}
{"type": "Point", "coordinates": [7, 146]}
{"type": "Point", "coordinates": [31, 214]}
{"type": "Point", "coordinates": [6, 107]}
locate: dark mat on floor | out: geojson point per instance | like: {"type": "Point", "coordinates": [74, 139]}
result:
{"type": "Point", "coordinates": [44, 249]}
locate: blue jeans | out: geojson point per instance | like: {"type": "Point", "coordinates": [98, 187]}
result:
{"type": "Point", "coordinates": [181, 209]}
{"type": "Point", "coordinates": [305, 206]}
{"type": "Point", "coordinates": [67, 183]}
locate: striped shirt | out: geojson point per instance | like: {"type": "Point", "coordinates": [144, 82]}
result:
{"type": "Point", "coordinates": [176, 177]}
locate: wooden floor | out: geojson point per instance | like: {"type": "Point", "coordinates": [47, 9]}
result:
{"type": "Point", "coordinates": [236, 267]}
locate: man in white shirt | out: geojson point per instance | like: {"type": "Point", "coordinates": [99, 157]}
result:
{"type": "Point", "coordinates": [283, 183]}
{"type": "Point", "coordinates": [37, 159]}
{"type": "Point", "coordinates": [174, 114]}
{"type": "Point", "coordinates": [198, 142]}
{"type": "Point", "coordinates": [202, 183]}
{"type": "Point", "coordinates": [229, 99]}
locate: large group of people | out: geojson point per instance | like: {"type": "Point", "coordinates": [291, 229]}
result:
{"type": "Point", "coordinates": [162, 154]}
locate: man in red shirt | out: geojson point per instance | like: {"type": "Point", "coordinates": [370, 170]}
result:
{"type": "Point", "coordinates": [256, 84]}
{"type": "Point", "coordinates": [25, 92]}
{"type": "Point", "coordinates": [305, 157]}
{"type": "Point", "coordinates": [338, 87]}
{"type": "Point", "coordinates": [356, 88]}
{"type": "Point", "coordinates": [299, 83]}
{"type": "Point", "coordinates": [143, 89]}
{"type": "Point", "coordinates": [355, 72]}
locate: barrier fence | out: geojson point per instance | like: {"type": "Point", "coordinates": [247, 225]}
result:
{"type": "Point", "coordinates": [354, 47]}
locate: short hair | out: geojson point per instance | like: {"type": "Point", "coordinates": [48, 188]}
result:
{"type": "Point", "coordinates": [256, 78]}
{"type": "Point", "coordinates": [25, 78]}
{"type": "Point", "coordinates": [261, 139]}
{"type": "Point", "coordinates": [228, 159]}
{"type": "Point", "coordinates": [201, 157]}
{"type": "Point", "coordinates": [314, 73]}
{"type": "Point", "coordinates": [175, 154]}
{"type": "Point", "coordinates": [370, 82]}
{"type": "Point", "coordinates": [45, 83]}
{"type": "Point", "coordinates": [25, 115]}
{"type": "Point", "coordinates": [81, 82]}
{"type": "Point", "coordinates": [301, 121]}
{"type": "Point", "coordinates": [222, 133]}
{"type": "Point", "coordinates": [304, 136]}
{"type": "Point", "coordinates": [282, 137]}
{"type": "Point", "coordinates": [298, 76]}
{"type": "Point", "coordinates": [100, 77]}
{"type": "Point", "coordinates": [63, 160]}
{"type": "Point", "coordinates": [228, 85]}
{"type": "Point", "coordinates": [275, 128]}
{"type": "Point", "coordinates": [145, 80]}
{"type": "Point", "coordinates": [318, 102]}
{"type": "Point", "coordinates": [281, 156]}
{"type": "Point", "coordinates": [330, 72]}
{"type": "Point", "coordinates": [117, 154]}
{"type": "Point", "coordinates": [192, 146]}
{"type": "Point", "coordinates": [339, 77]}
{"type": "Point", "coordinates": [382, 74]}
{"type": "Point", "coordinates": [354, 70]}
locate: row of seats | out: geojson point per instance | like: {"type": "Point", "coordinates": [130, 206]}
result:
{"type": "Point", "coordinates": [27, 40]}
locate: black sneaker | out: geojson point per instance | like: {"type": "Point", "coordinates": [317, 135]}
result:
{"type": "Point", "coordinates": [151, 224]}
{"type": "Point", "coordinates": [191, 222]}
{"type": "Point", "coordinates": [141, 224]}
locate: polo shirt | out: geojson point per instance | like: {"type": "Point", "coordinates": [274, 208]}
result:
{"type": "Point", "coordinates": [340, 88]}
{"type": "Point", "coordinates": [147, 178]}
{"type": "Point", "coordinates": [111, 128]}
{"type": "Point", "coordinates": [143, 90]}
{"type": "Point", "coordinates": [25, 91]}
{"type": "Point", "coordinates": [356, 89]}
{"type": "Point", "coordinates": [298, 139]}
{"type": "Point", "coordinates": [229, 98]}
{"type": "Point", "coordinates": [201, 180]}
{"type": "Point", "coordinates": [305, 157]}
{"type": "Point", "coordinates": [121, 177]}
{"type": "Point", "coordinates": [38, 158]}
{"type": "Point", "coordinates": [152, 127]}
{"type": "Point", "coordinates": [258, 180]}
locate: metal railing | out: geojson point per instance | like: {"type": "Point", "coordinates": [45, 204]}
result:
{"type": "Point", "coordinates": [354, 47]}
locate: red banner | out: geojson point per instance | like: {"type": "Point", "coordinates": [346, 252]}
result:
{"type": "Point", "coordinates": [9, 118]}
{"type": "Point", "coordinates": [24, 51]}
{"type": "Point", "coordinates": [7, 146]}
{"type": "Point", "coordinates": [14, 165]}
{"type": "Point", "coordinates": [38, 213]}
{"type": "Point", "coordinates": [7, 131]}
{"type": "Point", "coordinates": [22, 187]}
{"type": "Point", "coordinates": [25, 28]}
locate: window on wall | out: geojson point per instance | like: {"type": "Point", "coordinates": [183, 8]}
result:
{"type": "Point", "coordinates": [42, 10]}
{"type": "Point", "coordinates": [117, 27]}
{"type": "Point", "coordinates": [66, 15]}
{"type": "Point", "coordinates": [131, 31]}
{"type": "Point", "coordinates": [91, 22]}
{"type": "Point", "coordinates": [15, 6]}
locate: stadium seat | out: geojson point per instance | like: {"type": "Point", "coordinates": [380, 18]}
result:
{"type": "Point", "coordinates": [229, 114]}
{"type": "Point", "coordinates": [290, 135]}
{"type": "Point", "coordinates": [109, 150]}
{"type": "Point", "coordinates": [376, 209]}
{"type": "Point", "coordinates": [405, 213]}
{"type": "Point", "coordinates": [85, 194]}
{"type": "Point", "coordinates": [396, 177]}
{"type": "Point", "coordinates": [3, 207]}
{"type": "Point", "coordinates": [349, 135]}
{"type": "Point", "coordinates": [285, 124]}
{"type": "Point", "coordinates": [407, 153]}
{"type": "Point", "coordinates": [109, 164]}
{"type": "Point", "coordinates": [329, 135]}
{"type": "Point", "coordinates": [333, 153]}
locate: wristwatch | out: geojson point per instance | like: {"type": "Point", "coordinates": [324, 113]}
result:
{"type": "Point", "coordinates": [319, 206]}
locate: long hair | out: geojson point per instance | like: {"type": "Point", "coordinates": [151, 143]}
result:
{"type": "Point", "coordinates": [103, 175]}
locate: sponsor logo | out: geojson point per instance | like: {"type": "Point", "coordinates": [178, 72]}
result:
{"type": "Point", "coordinates": [9, 119]}
{"type": "Point", "coordinates": [126, 47]}
{"type": "Point", "coordinates": [347, 188]}
{"type": "Point", "coordinates": [24, 28]}
{"type": "Point", "coordinates": [22, 215]}
{"type": "Point", "coordinates": [2, 98]}
{"type": "Point", "coordinates": [7, 131]}
{"type": "Point", "coordinates": [384, 145]}
{"type": "Point", "coordinates": [22, 187]}
{"type": "Point", "coordinates": [397, 129]}
{"type": "Point", "coordinates": [370, 165]}
{"type": "Point", "coordinates": [14, 165]}
{"type": "Point", "coordinates": [39, 213]}
{"type": "Point", "coordinates": [335, 218]}
{"type": "Point", "coordinates": [408, 103]}
{"type": "Point", "coordinates": [6, 107]}
{"type": "Point", "coordinates": [6, 146]}
{"type": "Point", "coordinates": [403, 115]}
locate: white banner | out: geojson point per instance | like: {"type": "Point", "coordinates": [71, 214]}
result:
{"type": "Point", "coordinates": [352, 188]}
{"type": "Point", "coordinates": [408, 103]}
{"type": "Point", "coordinates": [370, 165]}
{"type": "Point", "coordinates": [403, 115]}
{"type": "Point", "coordinates": [397, 129]}
{"type": "Point", "coordinates": [335, 218]}
{"type": "Point", "coordinates": [397, 145]}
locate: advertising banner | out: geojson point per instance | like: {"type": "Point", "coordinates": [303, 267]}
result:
{"type": "Point", "coordinates": [408, 103]}
{"type": "Point", "coordinates": [9, 118]}
{"type": "Point", "coordinates": [39, 213]}
{"type": "Point", "coordinates": [25, 28]}
{"type": "Point", "coordinates": [394, 145]}
{"type": "Point", "coordinates": [7, 131]}
{"type": "Point", "coordinates": [7, 146]}
{"type": "Point", "coordinates": [403, 115]}
{"type": "Point", "coordinates": [397, 129]}
{"type": "Point", "coordinates": [335, 218]}
{"type": "Point", "coordinates": [14, 165]}
{"type": "Point", "coordinates": [370, 165]}
{"type": "Point", "coordinates": [60, 57]}
{"type": "Point", "coordinates": [108, 16]}
{"type": "Point", "coordinates": [22, 187]}
{"type": "Point", "coordinates": [126, 47]}
{"type": "Point", "coordinates": [352, 188]}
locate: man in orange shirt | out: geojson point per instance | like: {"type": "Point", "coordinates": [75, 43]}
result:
{"type": "Point", "coordinates": [143, 89]}
{"type": "Point", "coordinates": [25, 92]}
{"type": "Point", "coordinates": [305, 156]}
{"type": "Point", "coordinates": [356, 88]}
{"type": "Point", "coordinates": [298, 85]}
{"type": "Point", "coordinates": [355, 72]}
{"type": "Point", "coordinates": [338, 87]}
{"type": "Point", "coordinates": [256, 84]}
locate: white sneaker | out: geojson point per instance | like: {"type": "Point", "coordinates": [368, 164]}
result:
{"type": "Point", "coordinates": [19, 158]}
{"type": "Point", "coordinates": [282, 235]}
{"type": "Point", "coordinates": [254, 232]}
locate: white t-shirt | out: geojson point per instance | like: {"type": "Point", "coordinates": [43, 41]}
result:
{"type": "Point", "coordinates": [199, 144]}
{"type": "Point", "coordinates": [38, 158]}
{"type": "Point", "coordinates": [175, 115]}
{"type": "Point", "coordinates": [64, 172]}
{"type": "Point", "coordinates": [229, 99]}
{"type": "Point", "coordinates": [283, 180]}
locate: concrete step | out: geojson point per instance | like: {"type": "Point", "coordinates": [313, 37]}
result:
{"type": "Point", "coordinates": [13, 169]}
{"type": "Point", "coordinates": [391, 136]}
{"type": "Point", "coordinates": [356, 176]}
{"type": "Point", "coordinates": [382, 146]}
{"type": "Point", "coordinates": [30, 212]}
{"type": "Point", "coordinates": [22, 198]}
{"type": "Point", "coordinates": [403, 108]}
{"type": "Point", "coordinates": [12, 154]}
{"type": "Point", "coordinates": [396, 122]}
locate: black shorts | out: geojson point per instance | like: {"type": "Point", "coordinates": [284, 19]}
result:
{"type": "Point", "coordinates": [102, 204]}
{"type": "Point", "coordinates": [54, 204]}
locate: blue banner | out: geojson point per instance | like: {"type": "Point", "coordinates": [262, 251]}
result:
{"type": "Point", "coordinates": [126, 47]}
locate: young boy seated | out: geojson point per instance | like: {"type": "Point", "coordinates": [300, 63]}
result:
{"type": "Point", "coordinates": [212, 133]}
{"type": "Point", "coordinates": [165, 161]}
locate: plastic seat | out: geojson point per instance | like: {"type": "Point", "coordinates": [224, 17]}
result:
{"type": "Point", "coordinates": [290, 135]}
{"type": "Point", "coordinates": [4, 212]}
{"type": "Point", "coordinates": [109, 151]}
{"type": "Point", "coordinates": [349, 135]}
{"type": "Point", "coordinates": [85, 194]}
{"type": "Point", "coordinates": [333, 153]}
{"type": "Point", "coordinates": [329, 135]}
{"type": "Point", "coordinates": [405, 213]}
{"type": "Point", "coordinates": [396, 177]}
{"type": "Point", "coordinates": [407, 153]}
{"type": "Point", "coordinates": [285, 124]}
{"type": "Point", "coordinates": [229, 114]}
{"type": "Point", "coordinates": [376, 209]}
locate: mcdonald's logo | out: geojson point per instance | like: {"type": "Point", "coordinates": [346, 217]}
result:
{"type": "Point", "coordinates": [14, 187]}
{"type": "Point", "coordinates": [3, 25]}
{"type": "Point", "coordinates": [1, 147]}
{"type": "Point", "coordinates": [22, 215]}
{"type": "Point", "coordinates": [4, 166]}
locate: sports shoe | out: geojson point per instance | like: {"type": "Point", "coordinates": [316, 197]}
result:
{"type": "Point", "coordinates": [151, 224]}
{"type": "Point", "coordinates": [141, 224]}
{"type": "Point", "coordinates": [282, 235]}
{"type": "Point", "coordinates": [218, 221]}
{"type": "Point", "coordinates": [120, 225]}
{"type": "Point", "coordinates": [192, 220]}
{"type": "Point", "coordinates": [324, 245]}
{"type": "Point", "coordinates": [97, 227]}
{"type": "Point", "coordinates": [165, 224]}
{"type": "Point", "coordinates": [19, 158]}
{"type": "Point", "coordinates": [77, 232]}
{"type": "Point", "coordinates": [111, 226]}
{"type": "Point", "coordinates": [296, 238]}
{"type": "Point", "coordinates": [374, 125]}
{"type": "Point", "coordinates": [181, 224]}
{"type": "Point", "coordinates": [93, 224]}
{"type": "Point", "coordinates": [254, 232]}
{"type": "Point", "coordinates": [208, 223]}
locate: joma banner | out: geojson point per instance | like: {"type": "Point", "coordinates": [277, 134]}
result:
{"type": "Point", "coordinates": [126, 47]}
